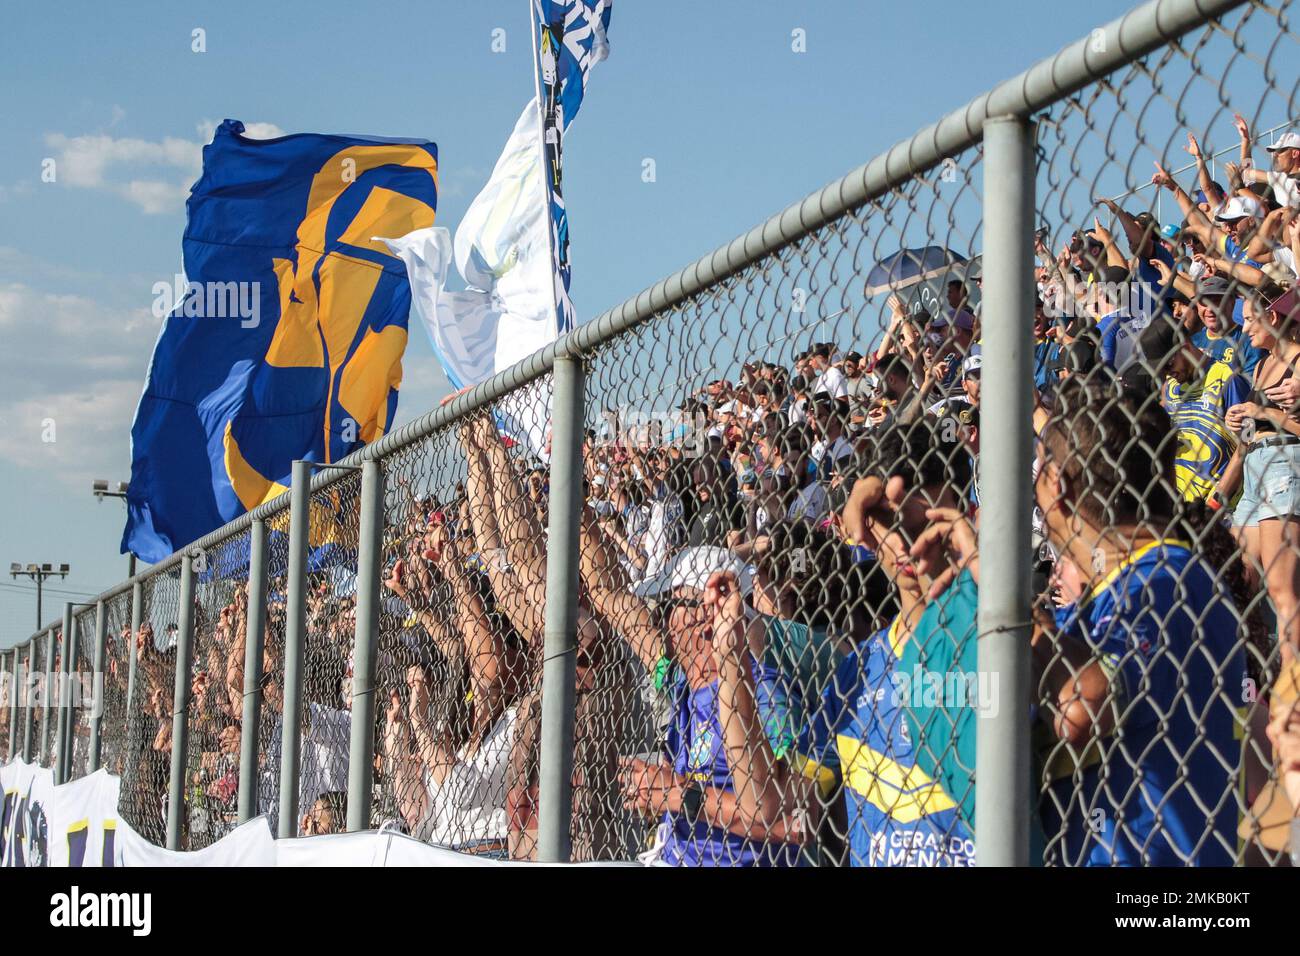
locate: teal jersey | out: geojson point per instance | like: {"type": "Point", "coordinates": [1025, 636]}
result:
{"type": "Point", "coordinates": [897, 814]}
{"type": "Point", "coordinates": [940, 667]}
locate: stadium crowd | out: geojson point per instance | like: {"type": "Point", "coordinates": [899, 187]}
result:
{"type": "Point", "coordinates": [776, 640]}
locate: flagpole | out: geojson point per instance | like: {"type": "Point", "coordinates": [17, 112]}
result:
{"type": "Point", "coordinates": [535, 40]}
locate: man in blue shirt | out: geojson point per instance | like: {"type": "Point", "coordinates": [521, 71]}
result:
{"type": "Point", "coordinates": [1219, 337]}
{"type": "Point", "coordinates": [1142, 674]}
{"type": "Point", "coordinates": [1124, 312]}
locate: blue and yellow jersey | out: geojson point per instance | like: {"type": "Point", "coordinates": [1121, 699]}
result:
{"type": "Point", "coordinates": [1164, 629]}
{"type": "Point", "coordinates": [1232, 347]}
{"type": "Point", "coordinates": [1205, 444]}
{"type": "Point", "coordinates": [897, 814]}
{"type": "Point", "coordinates": [696, 748]}
{"type": "Point", "coordinates": [1233, 252]}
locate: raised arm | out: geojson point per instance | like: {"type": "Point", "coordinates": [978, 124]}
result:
{"type": "Point", "coordinates": [522, 606]}
{"type": "Point", "coordinates": [766, 789]}
{"type": "Point", "coordinates": [493, 670]}
{"type": "Point", "coordinates": [1197, 222]}
{"type": "Point", "coordinates": [607, 589]}
{"type": "Point", "coordinates": [521, 533]}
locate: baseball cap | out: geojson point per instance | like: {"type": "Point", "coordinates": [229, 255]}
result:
{"type": "Point", "coordinates": [1171, 231]}
{"type": "Point", "coordinates": [1286, 306]}
{"type": "Point", "coordinates": [973, 363]}
{"type": "Point", "coordinates": [692, 568]}
{"type": "Point", "coordinates": [1285, 141]}
{"type": "Point", "coordinates": [1212, 286]}
{"type": "Point", "coordinates": [1160, 339]}
{"type": "Point", "coordinates": [1240, 207]}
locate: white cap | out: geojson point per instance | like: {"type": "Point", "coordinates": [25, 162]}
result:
{"type": "Point", "coordinates": [973, 363]}
{"type": "Point", "coordinates": [692, 568]}
{"type": "Point", "coordinates": [1240, 207]}
{"type": "Point", "coordinates": [1285, 141]}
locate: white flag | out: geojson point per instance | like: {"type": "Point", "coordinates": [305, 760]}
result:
{"type": "Point", "coordinates": [503, 255]}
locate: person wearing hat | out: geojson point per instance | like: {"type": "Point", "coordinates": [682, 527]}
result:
{"type": "Point", "coordinates": [1230, 231]}
{"type": "Point", "coordinates": [693, 641]}
{"type": "Point", "coordinates": [1197, 391]}
{"type": "Point", "coordinates": [1285, 153]}
{"type": "Point", "coordinates": [1220, 337]}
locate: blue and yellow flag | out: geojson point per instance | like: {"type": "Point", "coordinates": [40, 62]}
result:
{"type": "Point", "coordinates": [287, 332]}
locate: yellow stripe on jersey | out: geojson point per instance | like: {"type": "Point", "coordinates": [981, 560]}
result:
{"type": "Point", "coordinates": [906, 794]}
{"type": "Point", "coordinates": [814, 770]}
{"type": "Point", "coordinates": [1134, 558]}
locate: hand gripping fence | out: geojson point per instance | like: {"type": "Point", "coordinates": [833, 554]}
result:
{"type": "Point", "coordinates": [761, 568]}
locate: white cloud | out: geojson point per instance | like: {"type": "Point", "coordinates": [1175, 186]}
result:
{"type": "Point", "coordinates": [114, 164]}
{"type": "Point", "coordinates": [77, 364]}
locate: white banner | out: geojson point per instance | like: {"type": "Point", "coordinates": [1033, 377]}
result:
{"type": "Point", "coordinates": [76, 824]}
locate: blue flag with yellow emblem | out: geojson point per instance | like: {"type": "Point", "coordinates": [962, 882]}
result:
{"type": "Point", "coordinates": [286, 335]}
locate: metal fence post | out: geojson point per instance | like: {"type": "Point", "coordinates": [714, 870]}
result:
{"type": "Point", "coordinates": [8, 666]}
{"type": "Point", "coordinates": [137, 621]}
{"type": "Point", "coordinates": [295, 637]}
{"type": "Point", "coordinates": [176, 786]}
{"type": "Point", "coordinates": [370, 553]}
{"type": "Point", "coordinates": [97, 696]}
{"type": "Point", "coordinates": [63, 754]}
{"type": "Point", "coordinates": [47, 696]}
{"type": "Point", "coordinates": [17, 682]}
{"type": "Point", "coordinates": [29, 703]}
{"type": "Point", "coordinates": [1002, 799]}
{"type": "Point", "coordinates": [555, 786]}
{"type": "Point", "coordinates": [252, 703]}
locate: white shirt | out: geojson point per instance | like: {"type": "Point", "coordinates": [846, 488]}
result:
{"type": "Point", "coordinates": [1286, 191]}
{"type": "Point", "coordinates": [813, 503]}
{"type": "Point", "coordinates": [841, 450]}
{"type": "Point", "coordinates": [797, 413]}
{"type": "Point", "coordinates": [470, 804]}
{"type": "Point", "coordinates": [832, 381]}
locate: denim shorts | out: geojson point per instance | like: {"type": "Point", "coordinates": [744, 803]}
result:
{"type": "Point", "coordinates": [1270, 485]}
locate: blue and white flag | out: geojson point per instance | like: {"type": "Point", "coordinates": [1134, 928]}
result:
{"type": "Point", "coordinates": [570, 38]}
{"type": "Point", "coordinates": [502, 248]}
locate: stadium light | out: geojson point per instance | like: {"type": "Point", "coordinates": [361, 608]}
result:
{"type": "Point", "coordinates": [38, 573]}
{"type": "Point", "coordinates": [100, 489]}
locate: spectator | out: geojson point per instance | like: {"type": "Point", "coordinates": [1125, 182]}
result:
{"type": "Point", "coordinates": [731, 714]}
{"type": "Point", "coordinates": [1146, 652]}
{"type": "Point", "coordinates": [1197, 392]}
{"type": "Point", "coordinates": [1270, 443]}
{"type": "Point", "coordinates": [823, 362]}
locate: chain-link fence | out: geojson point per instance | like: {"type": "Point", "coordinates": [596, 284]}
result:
{"type": "Point", "coordinates": [116, 682]}
{"type": "Point", "coordinates": [803, 585]}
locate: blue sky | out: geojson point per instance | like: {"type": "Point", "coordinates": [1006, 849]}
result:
{"type": "Point", "coordinates": [738, 125]}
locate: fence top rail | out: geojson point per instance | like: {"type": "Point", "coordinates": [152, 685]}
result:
{"type": "Point", "coordinates": [1106, 49]}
